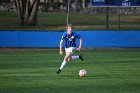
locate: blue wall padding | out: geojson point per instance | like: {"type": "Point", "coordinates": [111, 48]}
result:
{"type": "Point", "coordinates": [91, 39]}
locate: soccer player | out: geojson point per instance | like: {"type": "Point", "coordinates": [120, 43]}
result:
{"type": "Point", "coordinates": [69, 37]}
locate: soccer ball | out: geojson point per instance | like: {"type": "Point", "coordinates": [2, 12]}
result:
{"type": "Point", "coordinates": [82, 73]}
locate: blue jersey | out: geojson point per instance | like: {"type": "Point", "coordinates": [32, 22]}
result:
{"type": "Point", "coordinates": [70, 40]}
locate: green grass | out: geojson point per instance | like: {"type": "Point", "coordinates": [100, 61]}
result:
{"type": "Point", "coordinates": [57, 21]}
{"type": "Point", "coordinates": [109, 71]}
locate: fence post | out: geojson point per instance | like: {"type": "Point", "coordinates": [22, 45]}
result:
{"type": "Point", "coordinates": [107, 18]}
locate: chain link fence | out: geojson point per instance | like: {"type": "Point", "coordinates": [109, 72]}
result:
{"type": "Point", "coordinates": [52, 16]}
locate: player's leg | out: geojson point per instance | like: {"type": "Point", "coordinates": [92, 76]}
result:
{"type": "Point", "coordinates": [76, 57]}
{"type": "Point", "coordinates": [66, 59]}
{"type": "Point", "coordinates": [70, 57]}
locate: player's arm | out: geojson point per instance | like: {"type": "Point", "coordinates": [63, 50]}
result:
{"type": "Point", "coordinates": [80, 45]}
{"type": "Point", "coordinates": [60, 50]}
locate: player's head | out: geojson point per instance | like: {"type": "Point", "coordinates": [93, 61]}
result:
{"type": "Point", "coordinates": [69, 28]}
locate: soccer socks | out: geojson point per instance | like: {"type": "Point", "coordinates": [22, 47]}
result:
{"type": "Point", "coordinates": [63, 64]}
{"type": "Point", "coordinates": [61, 67]}
{"type": "Point", "coordinates": [81, 57]}
{"type": "Point", "coordinates": [75, 57]}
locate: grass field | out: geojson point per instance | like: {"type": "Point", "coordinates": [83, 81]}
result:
{"type": "Point", "coordinates": [109, 71]}
{"type": "Point", "coordinates": [57, 21]}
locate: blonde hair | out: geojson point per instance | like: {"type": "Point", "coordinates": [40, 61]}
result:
{"type": "Point", "coordinates": [69, 25]}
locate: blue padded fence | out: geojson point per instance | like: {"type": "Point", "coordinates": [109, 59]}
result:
{"type": "Point", "coordinates": [91, 39]}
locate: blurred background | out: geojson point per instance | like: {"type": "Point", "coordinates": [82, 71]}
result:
{"type": "Point", "coordinates": [52, 15]}
{"type": "Point", "coordinates": [30, 32]}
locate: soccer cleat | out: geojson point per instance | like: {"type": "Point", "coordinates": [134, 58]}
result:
{"type": "Point", "coordinates": [58, 72]}
{"type": "Point", "coordinates": [81, 57]}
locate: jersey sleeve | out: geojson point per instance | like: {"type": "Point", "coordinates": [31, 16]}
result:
{"type": "Point", "coordinates": [63, 36]}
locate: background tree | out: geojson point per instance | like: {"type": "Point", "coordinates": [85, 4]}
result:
{"type": "Point", "coordinates": [27, 11]}
{"type": "Point", "coordinates": [76, 5]}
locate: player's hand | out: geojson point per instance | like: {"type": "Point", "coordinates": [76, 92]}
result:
{"type": "Point", "coordinates": [79, 49]}
{"type": "Point", "coordinates": [61, 53]}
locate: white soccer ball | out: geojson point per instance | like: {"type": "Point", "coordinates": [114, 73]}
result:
{"type": "Point", "coordinates": [82, 73]}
